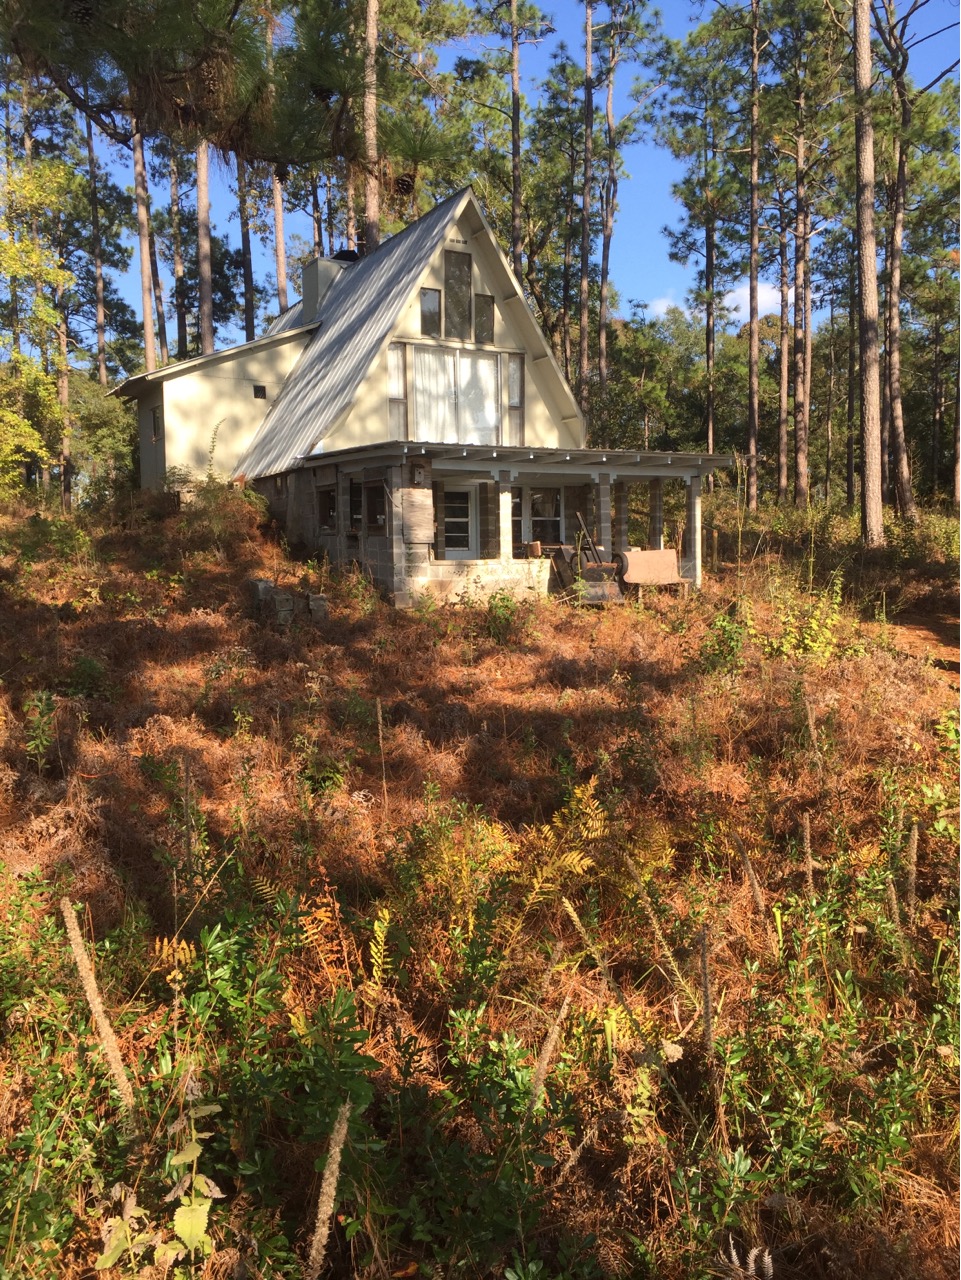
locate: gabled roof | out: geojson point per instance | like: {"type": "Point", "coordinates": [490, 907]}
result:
{"type": "Point", "coordinates": [358, 313]}
{"type": "Point", "coordinates": [362, 306]}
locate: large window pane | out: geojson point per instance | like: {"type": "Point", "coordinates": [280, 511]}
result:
{"type": "Point", "coordinates": [479, 402]}
{"type": "Point", "coordinates": [435, 395]}
{"type": "Point", "coordinates": [457, 295]}
{"type": "Point", "coordinates": [546, 515]}
{"type": "Point", "coordinates": [515, 399]}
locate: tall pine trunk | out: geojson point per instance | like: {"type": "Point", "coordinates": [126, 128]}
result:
{"type": "Point", "coordinates": [204, 261]}
{"type": "Point", "coordinates": [754, 335]}
{"type": "Point", "coordinates": [246, 254]}
{"type": "Point", "coordinates": [158, 299]}
{"type": "Point", "coordinates": [517, 230]}
{"type": "Point", "coordinates": [176, 242]}
{"type": "Point", "coordinates": [371, 154]}
{"type": "Point", "coordinates": [802, 481]}
{"type": "Point", "coordinates": [852, 403]}
{"type": "Point", "coordinates": [143, 240]}
{"type": "Point", "coordinates": [97, 248]}
{"type": "Point", "coordinates": [784, 353]}
{"type": "Point", "coordinates": [872, 521]}
{"type": "Point", "coordinates": [902, 465]}
{"type": "Point", "coordinates": [583, 367]}
{"type": "Point", "coordinates": [608, 209]}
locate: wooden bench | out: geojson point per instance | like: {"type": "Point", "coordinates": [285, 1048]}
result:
{"type": "Point", "coordinates": [636, 568]}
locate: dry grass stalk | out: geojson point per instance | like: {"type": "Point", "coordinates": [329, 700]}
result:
{"type": "Point", "coordinates": [328, 1194]}
{"type": "Point", "coordinates": [707, 1023]}
{"type": "Point", "coordinates": [546, 1055]}
{"type": "Point", "coordinates": [383, 762]}
{"type": "Point", "coordinates": [808, 859]}
{"type": "Point", "coordinates": [911, 864]}
{"type": "Point", "coordinates": [105, 1033]}
{"type": "Point", "coordinates": [645, 901]}
{"type": "Point", "coordinates": [751, 876]}
{"type": "Point", "coordinates": [891, 896]}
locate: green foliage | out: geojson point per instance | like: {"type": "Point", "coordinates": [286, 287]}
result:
{"type": "Point", "coordinates": [40, 712]}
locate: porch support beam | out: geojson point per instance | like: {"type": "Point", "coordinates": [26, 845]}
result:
{"type": "Point", "coordinates": [603, 512]}
{"type": "Point", "coordinates": [655, 537]}
{"type": "Point", "coordinates": [619, 534]}
{"type": "Point", "coordinates": [692, 560]}
{"type": "Point", "coordinates": [505, 524]}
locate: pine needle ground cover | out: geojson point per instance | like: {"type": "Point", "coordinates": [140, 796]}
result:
{"type": "Point", "coordinates": [512, 940]}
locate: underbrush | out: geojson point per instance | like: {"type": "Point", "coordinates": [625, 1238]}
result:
{"type": "Point", "coordinates": [566, 944]}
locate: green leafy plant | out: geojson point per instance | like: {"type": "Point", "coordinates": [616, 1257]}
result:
{"type": "Point", "coordinates": [40, 729]}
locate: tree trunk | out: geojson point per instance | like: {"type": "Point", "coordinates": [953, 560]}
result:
{"type": "Point", "coordinates": [902, 465]}
{"type": "Point", "coordinates": [872, 522]}
{"type": "Point", "coordinates": [180, 300]}
{"type": "Point", "coordinates": [754, 337]}
{"type": "Point", "coordinates": [801, 476]}
{"type": "Point", "coordinates": [608, 208]}
{"type": "Point", "coordinates": [13, 286]}
{"type": "Point", "coordinates": [143, 238]}
{"type": "Point", "coordinates": [517, 228]}
{"type": "Point", "coordinates": [243, 209]}
{"type": "Point", "coordinates": [351, 213]}
{"type": "Point", "coordinates": [101, 313]}
{"type": "Point", "coordinates": [316, 222]}
{"type": "Point", "coordinates": [584, 336]}
{"type": "Point", "coordinates": [784, 354]}
{"type": "Point", "coordinates": [371, 154]}
{"type": "Point", "coordinates": [710, 248]}
{"type": "Point", "coordinates": [158, 299]}
{"type": "Point", "coordinates": [829, 425]}
{"type": "Point", "coordinates": [852, 380]}
{"type": "Point", "coordinates": [204, 262]}
{"type": "Point", "coordinates": [280, 247]}
{"type": "Point", "coordinates": [63, 398]}
{"type": "Point", "coordinates": [937, 418]}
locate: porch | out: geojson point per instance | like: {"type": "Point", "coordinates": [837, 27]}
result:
{"type": "Point", "coordinates": [451, 520]}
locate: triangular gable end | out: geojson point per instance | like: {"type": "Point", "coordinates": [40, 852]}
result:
{"type": "Point", "coordinates": [358, 313]}
{"type": "Point", "coordinates": [322, 407]}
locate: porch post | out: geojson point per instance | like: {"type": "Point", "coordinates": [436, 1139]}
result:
{"type": "Point", "coordinates": [655, 538]}
{"type": "Point", "coordinates": [620, 516]}
{"type": "Point", "coordinates": [505, 524]}
{"type": "Point", "coordinates": [604, 512]}
{"type": "Point", "coordinates": [692, 567]}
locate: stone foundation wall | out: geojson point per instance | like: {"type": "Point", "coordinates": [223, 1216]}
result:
{"type": "Point", "coordinates": [446, 580]}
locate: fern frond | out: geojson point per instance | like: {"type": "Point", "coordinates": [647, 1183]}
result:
{"type": "Point", "coordinates": [266, 891]}
{"type": "Point", "coordinates": [379, 959]}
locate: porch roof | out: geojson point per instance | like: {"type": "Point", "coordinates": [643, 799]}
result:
{"type": "Point", "coordinates": [531, 463]}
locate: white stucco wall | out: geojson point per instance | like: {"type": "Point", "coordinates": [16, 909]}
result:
{"type": "Point", "coordinates": [217, 396]}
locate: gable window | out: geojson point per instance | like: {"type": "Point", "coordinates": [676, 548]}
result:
{"type": "Point", "coordinates": [483, 318]}
{"type": "Point", "coordinates": [260, 392]}
{"type": "Point", "coordinates": [457, 308]}
{"type": "Point", "coordinates": [397, 390]}
{"type": "Point", "coordinates": [515, 399]}
{"type": "Point", "coordinates": [430, 313]}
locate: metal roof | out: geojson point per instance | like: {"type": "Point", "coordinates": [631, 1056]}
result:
{"type": "Point", "coordinates": [358, 312]}
{"type": "Point", "coordinates": [289, 319]}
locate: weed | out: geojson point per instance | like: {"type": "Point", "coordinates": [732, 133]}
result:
{"type": "Point", "coordinates": [40, 726]}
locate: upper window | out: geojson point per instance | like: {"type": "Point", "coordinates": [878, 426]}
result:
{"type": "Point", "coordinates": [430, 313]}
{"type": "Point", "coordinates": [483, 318]}
{"type": "Point", "coordinates": [397, 390]}
{"type": "Point", "coordinates": [457, 309]}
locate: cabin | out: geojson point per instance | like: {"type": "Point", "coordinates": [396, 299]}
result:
{"type": "Point", "coordinates": [408, 415]}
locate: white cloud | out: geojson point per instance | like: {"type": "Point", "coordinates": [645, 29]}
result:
{"type": "Point", "coordinates": [660, 306]}
{"type": "Point", "coordinates": [768, 300]}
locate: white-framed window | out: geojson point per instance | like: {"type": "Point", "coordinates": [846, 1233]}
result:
{"type": "Point", "coordinates": [397, 390]}
{"type": "Point", "coordinates": [456, 396]}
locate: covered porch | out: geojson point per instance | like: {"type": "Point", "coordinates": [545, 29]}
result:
{"type": "Point", "coordinates": [448, 519]}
